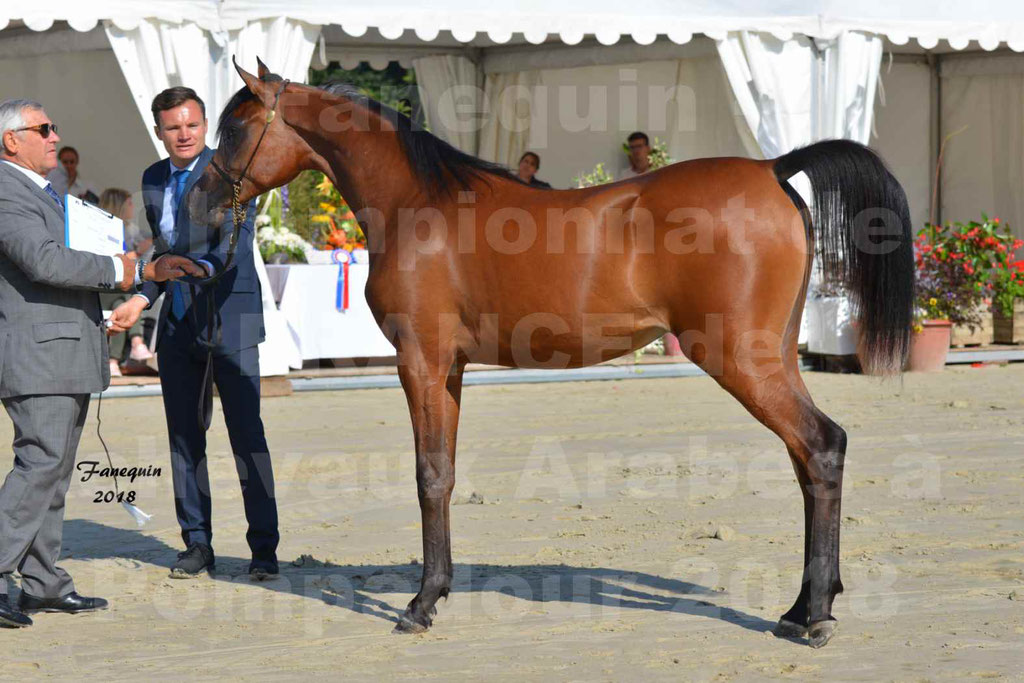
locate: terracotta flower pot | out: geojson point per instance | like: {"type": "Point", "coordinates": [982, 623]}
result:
{"type": "Point", "coordinates": [929, 347]}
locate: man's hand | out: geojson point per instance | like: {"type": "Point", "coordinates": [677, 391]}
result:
{"type": "Point", "coordinates": [126, 315]}
{"type": "Point", "coordinates": [171, 267]}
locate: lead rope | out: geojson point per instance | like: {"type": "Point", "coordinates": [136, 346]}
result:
{"type": "Point", "coordinates": [214, 327]}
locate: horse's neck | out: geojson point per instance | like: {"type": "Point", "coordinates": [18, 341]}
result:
{"type": "Point", "coordinates": [363, 158]}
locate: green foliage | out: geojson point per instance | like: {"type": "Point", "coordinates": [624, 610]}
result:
{"type": "Point", "coordinates": [599, 176]}
{"type": "Point", "coordinates": [304, 200]}
{"type": "Point", "coordinates": [394, 86]}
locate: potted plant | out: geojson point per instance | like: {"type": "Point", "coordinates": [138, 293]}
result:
{"type": "Point", "coordinates": [280, 245]}
{"type": "Point", "coordinates": [951, 290]}
{"type": "Point", "coordinates": [1007, 280]}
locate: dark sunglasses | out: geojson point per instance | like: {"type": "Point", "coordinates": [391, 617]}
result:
{"type": "Point", "coordinates": [44, 129]}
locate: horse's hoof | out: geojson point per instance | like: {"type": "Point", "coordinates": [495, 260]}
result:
{"type": "Point", "coordinates": [821, 632]}
{"type": "Point", "coordinates": [407, 625]}
{"type": "Point", "coordinates": [789, 629]}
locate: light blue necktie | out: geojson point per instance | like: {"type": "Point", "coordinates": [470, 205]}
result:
{"type": "Point", "coordinates": [177, 293]}
{"type": "Point", "coordinates": [56, 197]}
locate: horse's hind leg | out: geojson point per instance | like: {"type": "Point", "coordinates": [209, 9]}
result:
{"type": "Point", "coordinates": [820, 479]}
{"type": "Point", "coordinates": [774, 393]}
{"type": "Point", "coordinates": [433, 391]}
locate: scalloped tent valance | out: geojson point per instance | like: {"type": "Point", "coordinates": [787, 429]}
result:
{"type": "Point", "coordinates": [989, 22]}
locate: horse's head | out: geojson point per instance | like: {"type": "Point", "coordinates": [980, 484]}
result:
{"type": "Point", "coordinates": [256, 146]}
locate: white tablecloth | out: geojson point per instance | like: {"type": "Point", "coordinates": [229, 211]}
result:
{"type": "Point", "coordinates": [321, 331]}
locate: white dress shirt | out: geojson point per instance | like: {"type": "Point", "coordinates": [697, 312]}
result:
{"type": "Point", "coordinates": [630, 173]}
{"type": "Point", "coordinates": [42, 183]}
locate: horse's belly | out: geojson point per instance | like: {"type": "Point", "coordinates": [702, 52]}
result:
{"type": "Point", "coordinates": [549, 341]}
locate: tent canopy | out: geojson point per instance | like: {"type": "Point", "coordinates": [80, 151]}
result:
{"type": "Point", "coordinates": [989, 22]}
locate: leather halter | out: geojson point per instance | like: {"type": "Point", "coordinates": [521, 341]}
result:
{"type": "Point", "coordinates": [237, 214]}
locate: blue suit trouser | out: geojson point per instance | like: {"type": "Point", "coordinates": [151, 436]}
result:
{"type": "Point", "coordinates": [237, 377]}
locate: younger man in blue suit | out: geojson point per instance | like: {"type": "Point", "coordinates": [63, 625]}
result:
{"type": "Point", "coordinates": [181, 125]}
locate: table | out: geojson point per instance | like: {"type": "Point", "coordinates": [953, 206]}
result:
{"type": "Point", "coordinates": [306, 296]}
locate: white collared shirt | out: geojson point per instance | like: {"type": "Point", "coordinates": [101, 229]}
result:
{"type": "Point", "coordinates": [39, 180]}
{"type": "Point", "coordinates": [628, 172]}
{"type": "Point", "coordinates": [42, 183]}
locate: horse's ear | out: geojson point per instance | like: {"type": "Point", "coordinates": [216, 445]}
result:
{"type": "Point", "coordinates": [256, 86]}
{"type": "Point", "coordinates": [262, 71]}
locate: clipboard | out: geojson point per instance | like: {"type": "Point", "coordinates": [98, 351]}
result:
{"type": "Point", "coordinates": [90, 228]}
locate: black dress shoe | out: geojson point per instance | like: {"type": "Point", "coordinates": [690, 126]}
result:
{"type": "Point", "coordinates": [10, 617]}
{"type": "Point", "coordinates": [193, 562]}
{"type": "Point", "coordinates": [263, 570]}
{"type": "Point", "coordinates": [72, 603]}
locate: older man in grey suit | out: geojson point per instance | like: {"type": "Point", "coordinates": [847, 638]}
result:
{"type": "Point", "coordinates": [53, 354]}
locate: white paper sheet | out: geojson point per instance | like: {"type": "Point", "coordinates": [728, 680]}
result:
{"type": "Point", "coordinates": [90, 228]}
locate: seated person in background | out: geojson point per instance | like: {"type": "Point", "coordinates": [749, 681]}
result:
{"type": "Point", "coordinates": [639, 155]}
{"type": "Point", "coordinates": [66, 180]}
{"type": "Point", "coordinates": [119, 203]}
{"type": "Point", "coordinates": [529, 164]}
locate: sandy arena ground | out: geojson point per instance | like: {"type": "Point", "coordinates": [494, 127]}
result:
{"type": "Point", "coordinates": [588, 551]}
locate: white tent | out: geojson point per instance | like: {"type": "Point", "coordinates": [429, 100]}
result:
{"type": "Point", "coordinates": [570, 80]}
{"type": "Point", "coordinates": [71, 54]}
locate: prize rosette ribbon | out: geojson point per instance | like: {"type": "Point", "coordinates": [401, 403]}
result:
{"type": "Point", "coordinates": [343, 259]}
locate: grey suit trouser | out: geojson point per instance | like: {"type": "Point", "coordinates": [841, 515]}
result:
{"type": "Point", "coordinates": [46, 434]}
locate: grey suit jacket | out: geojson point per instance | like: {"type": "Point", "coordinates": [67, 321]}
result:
{"type": "Point", "coordinates": [51, 338]}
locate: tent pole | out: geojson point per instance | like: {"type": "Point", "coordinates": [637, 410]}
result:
{"type": "Point", "coordinates": [934, 61]}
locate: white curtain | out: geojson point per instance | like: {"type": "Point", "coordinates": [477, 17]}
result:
{"type": "Point", "coordinates": [773, 82]}
{"type": "Point", "coordinates": [157, 55]}
{"type": "Point", "coordinates": [797, 91]}
{"type": "Point", "coordinates": [449, 88]}
{"type": "Point", "coordinates": [508, 108]}
{"type": "Point", "coordinates": [792, 93]}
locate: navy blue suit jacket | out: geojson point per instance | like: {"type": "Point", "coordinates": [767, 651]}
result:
{"type": "Point", "coordinates": [237, 294]}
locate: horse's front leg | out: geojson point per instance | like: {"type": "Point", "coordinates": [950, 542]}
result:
{"type": "Point", "coordinates": [434, 392]}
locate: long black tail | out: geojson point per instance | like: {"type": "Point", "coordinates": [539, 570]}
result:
{"type": "Point", "coordinates": [862, 223]}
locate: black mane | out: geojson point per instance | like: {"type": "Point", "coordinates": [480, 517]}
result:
{"type": "Point", "coordinates": [434, 162]}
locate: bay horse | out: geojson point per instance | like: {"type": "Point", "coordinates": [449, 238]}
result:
{"type": "Point", "coordinates": [468, 264]}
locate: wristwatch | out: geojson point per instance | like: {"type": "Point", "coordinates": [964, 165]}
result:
{"type": "Point", "coordinates": [140, 266]}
